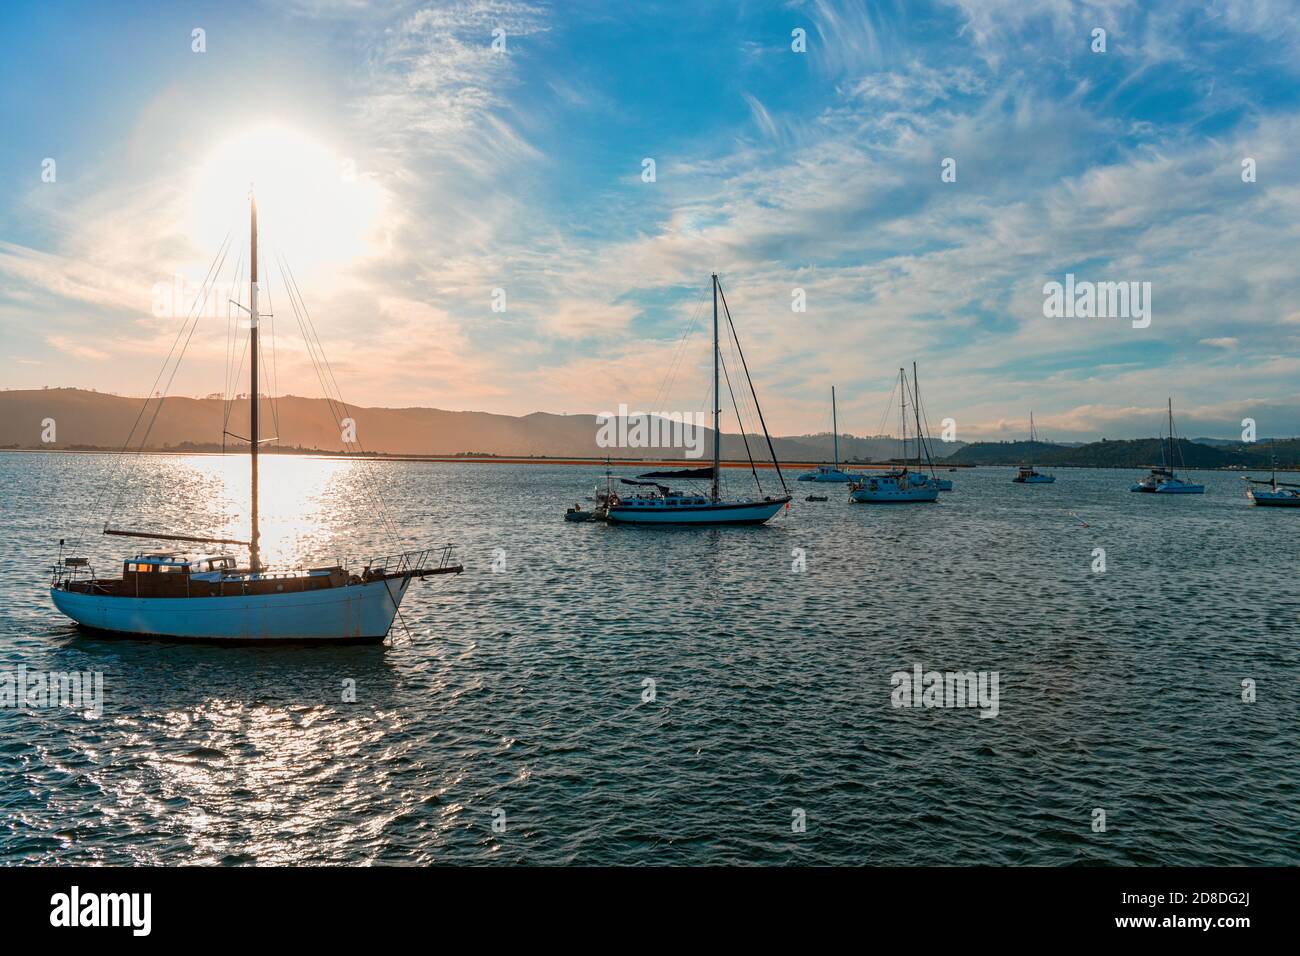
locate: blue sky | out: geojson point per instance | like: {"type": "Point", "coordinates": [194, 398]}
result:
{"type": "Point", "coordinates": [472, 169]}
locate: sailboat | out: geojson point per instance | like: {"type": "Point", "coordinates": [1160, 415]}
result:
{"type": "Point", "coordinates": [1163, 480]}
{"type": "Point", "coordinates": [1027, 475]}
{"type": "Point", "coordinates": [898, 485]}
{"type": "Point", "coordinates": [922, 424]}
{"type": "Point", "coordinates": [1275, 494]}
{"type": "Point", "coordinates": [213, 595]}
{"type": "Point", "coordinates": [655, 503]}
{"type": "Point", "coordinates": [824, 472]}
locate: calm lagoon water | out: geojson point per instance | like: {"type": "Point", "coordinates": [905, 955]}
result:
{"type": "Point", "coordinates": [518, 695]}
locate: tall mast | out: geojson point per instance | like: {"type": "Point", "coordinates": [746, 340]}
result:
{"type": "Point", "coordinates": [254, 553]}
{"type": "Point", "coordinates": [1031, 438]}
{"type": "Point", "coordinates": [902, 411]}
{"type": "Point", "coordinates": [916, 407]}
{"type": "Point", "coordinates": [835, 427]}
{"type": "Point", "coordinates": [717, 395]}
{"type": "Point", "coordinates": [1171, 435]}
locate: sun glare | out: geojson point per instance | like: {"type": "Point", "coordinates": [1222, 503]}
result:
{"type": "Point", "coordinates": [313, 206]}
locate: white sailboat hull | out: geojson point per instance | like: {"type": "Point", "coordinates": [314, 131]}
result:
{"type": "Point", "coordinates": [1174, 487]}
{"type": "Point", "coordinates": [888, 489]}
{"type": "Point", "coordinates": [354, 613]}
{"type": "Point", "coordinates": [894, 496]}
{"type": "Point", "coordinates": [1281, 498]}
{"type": "Point", "coordinates": [749, 512]}
{"type": "Point", "coordinates": [830, 476]}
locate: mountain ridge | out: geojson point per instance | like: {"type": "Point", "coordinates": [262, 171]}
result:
{"type": "Point", "coordinates": [88, 419]}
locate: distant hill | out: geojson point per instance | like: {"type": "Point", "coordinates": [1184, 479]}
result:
{"type": "Point", "coordinates": [86, 419]}
{"type": "Point", "coordinates": [1133, 453]}
{"type": "Point", "coordinates": [1003, 452]}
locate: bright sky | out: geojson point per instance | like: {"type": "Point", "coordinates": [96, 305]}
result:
{"type": "Point", "coordinates": [406, 169]}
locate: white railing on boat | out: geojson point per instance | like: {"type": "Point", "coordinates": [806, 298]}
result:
{"type": "Point", "coordinates": [417, 562]}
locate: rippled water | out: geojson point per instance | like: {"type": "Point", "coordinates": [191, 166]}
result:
{"type": "Point", "coordinates": [520, 692]}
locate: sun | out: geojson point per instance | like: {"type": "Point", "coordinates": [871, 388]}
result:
{"type": "Point", "coordinates": [313, 204]}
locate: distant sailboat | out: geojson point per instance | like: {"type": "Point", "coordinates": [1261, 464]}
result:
{"type": "Point", "coordinates": [900, 485]}
{"type": "Point", "coordinates": [1027, 475]}
{"type": "Point", "coordinates": [1162, 480]}
{"type": "Point", "coordinates": [1274, 493]}
{"type": "Point", "coordinates": [211, 595]}
{"type": "Point", "coordinates": [833, 473]}
{"type": "Point", "coordinates": [659, 504]}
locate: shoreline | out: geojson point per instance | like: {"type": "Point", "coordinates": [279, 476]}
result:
{"type": "Point", "coordinates": [582, 462]}
{"type": "Point", "coordinates": [468, 459]}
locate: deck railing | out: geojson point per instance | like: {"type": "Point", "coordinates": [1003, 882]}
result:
{"type": "Point", "coordinates": [412, 561]}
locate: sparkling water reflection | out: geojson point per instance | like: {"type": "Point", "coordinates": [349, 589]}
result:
{"type": "Point", "coordinates": [522, 690]}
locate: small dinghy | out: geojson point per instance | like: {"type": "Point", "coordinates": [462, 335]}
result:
{"type": "Point", "coordinates": [577, 514]}
{"type": "Point", "coordinates": [817, 498]}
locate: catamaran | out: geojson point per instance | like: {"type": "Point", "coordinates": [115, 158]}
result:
{"type": "Point", "coordinates": [214, 595]}
{"type": "Point", "coordinates": [1274, 493]}
{"type": "Point", "coordinates": [1162, 480]}
{"type": "Point", "coordinates": [830, 473]}
{"type": "Point", "coordinates": [658, 504]}
{"type": "Point", "coordinates": [1027, 475]}
{"type": "Point", "coordinates": [899, 485]}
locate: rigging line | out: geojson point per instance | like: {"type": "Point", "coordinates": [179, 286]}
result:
{"type": "Point", "coordinates": [665, 386]}
{"type": "Point", "coordinates": [742, 410]}
{"type": "Point", "coordinates": [275, 412]}
{"type": "Point", "coordinates": [739, 419]}
{"type": "Point", "coordinates": [275, 359]}
{"type": "Point", "coordinates": [332, 393]}
{"type": "Point", "coordinates": [316, 350]}
{"type": "Point", "coordinates": [232, 339]}
{"type": "Point", "coordinates": [311, 353]}
{"type": "Point", "coordinates": [907, 387]}
{"type": "Point", "coordinates": [275, 406]}
{"type": "Point", "coordinates": [291, 286]}
{"type": "Point", "coordinates": [334, 396]}
{"type": "Point", "coordinates": [175, 368]}
{"type": "Point", "coordinates": [925, 419]}
{"type": "Point", "coordinates": [337, 393]}
{"type": "Point", "coordinates": [233, 373]}
{"type": "Point", "coordinates": [746, 411]}
{"type": "Point", "coordinates": [273, 380]}
{"type": "Point", "coordinates": [704, 403]}
{"type": "Point", "coordinates": [243, 354]}
{"type": "Point", "coordinates": [888, 412]}
{"type": "Point", "coordinates": [902, 408]}
{"type": "Point", "coordinates": [191, 320]}
{"type": "Point", "coordinates": [181, 331]}
{"type": "Point", "coordinates": [776, 464]}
